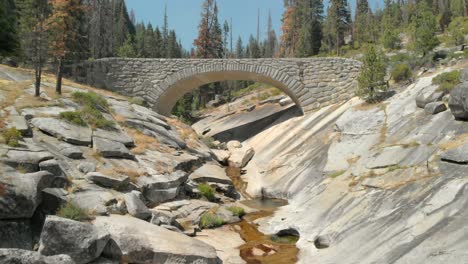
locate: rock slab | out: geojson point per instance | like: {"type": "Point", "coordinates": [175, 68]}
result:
{"type": "Point", "coordinates": [83, 242]}
{"type": "Point", "coordinates": [143, 242]}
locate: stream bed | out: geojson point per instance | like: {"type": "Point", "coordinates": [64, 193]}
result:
{"type": "Point", "coordinates": [260, 248]}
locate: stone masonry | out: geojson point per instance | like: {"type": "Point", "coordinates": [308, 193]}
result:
{"type": "Point", "coordinates": [311, 83]}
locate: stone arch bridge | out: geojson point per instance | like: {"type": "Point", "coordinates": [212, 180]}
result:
{"type": "Point", "coordinates": [311, 83]}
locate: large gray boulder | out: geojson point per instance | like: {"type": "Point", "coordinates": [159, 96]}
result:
{"type": "Point", "coordinates": [457, 155]}
{"type": "Point", "coordinates": [135, 206]}
{"type": "Point", "coordinates": [94, 198]}
{"type": "Point", "coordinates": [458, 102]}
{"type": "Point", "coordinates": [143, 242]}
{"type": "Point", "coordinates": [111, 149]}
{"type": "Point", "coordinates": [114, 182]}
{"type": "Point", "coordinates": [163, 135]}
{"type": "Point", "coordinates": [70, 133]}
{"type": "Point", "coordinates": [435, 108]}
{"type": "Point", "coordinates": [162, 188]}
{"type": "Point", "coordinates": [27, 160]}
{"type": "Point", "coordinates": [21, 193]}
{"type": "Point", "coordinates": [428, 95]}
{"type": "Point", "coordinates": [210, 173]}
{"type": "Point", "coordinates": [18, 122]}
{"type": "Point", "coordinates": [221, 155]}
{"type": "Point", "coordinates": [240, 157]}
{"type": "Point", "coordinates": [16, 233]}
{"type": "Point", "coordinates": [21, 256]}
{"type": "Point", "coordinates": [86, 167]}
{"type": "Point", "coordinates": [118, 136]}
{"type": "Point", "coordinates": [70, 151]}
{"type": "Point", "coordinates": [83, 242]}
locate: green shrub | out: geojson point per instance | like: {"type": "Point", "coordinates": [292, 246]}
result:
{"type": "Point", "coordinates": [207, 191]}
{"type": "Point", "coordinates": [209, 142]}
{"type": "Point", "coordinates": [337, 174]}
{"type": "Point", "coordinates": [137, 101]}
{"type": "Point", "coordinates": [95, 118]}
{"type": "Point", "coordinates": [371, 81]}
{"type": "Point", "coordinates": [73, 117]}
{"type": "Point", "coordinates": [92, 107]}
{"type": "Point", "coordinates": [73, 212]}
{"type": "Point", "coordinates": [447, 81]}
{"type": "Point", "coordinates": [12, 137]}
{"type": "Point", "coordinates": [237, 211]}
{"type": "Point", "coordinates": [91, 99]}
{"type": "Point", "coordinates": [401, 72]}
{"type": "Point", "coordinates": [210, 220]}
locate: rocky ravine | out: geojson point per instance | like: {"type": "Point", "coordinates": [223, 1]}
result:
{"type": "Point", "coordinates": [136, 179]}
{"type": "Point", "coordinates": [385, 183]}
{"type": "Point", "coordinates": [371, 184]}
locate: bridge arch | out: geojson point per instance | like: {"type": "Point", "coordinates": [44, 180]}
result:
{"type": "Point", "coordinates": [311, 82]}
{"type": "Point", "coordinates": [188, 80]}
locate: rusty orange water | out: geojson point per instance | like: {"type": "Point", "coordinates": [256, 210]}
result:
{"type": "Point", "coordinates": [260, 248]}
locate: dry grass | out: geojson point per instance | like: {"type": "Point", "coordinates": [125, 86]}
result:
{"type": "Point", "coordinates": [133, 174]}
{"type": "Point", "coordinates": [186, 133]}
{"type": "Point", "coordinates": [13, 90]}
{"type": "Point", "coordinates": [458, 141]}
{"type": "Point", "coordinates": [73, 188]}
{"type": "Point", "coordinates": [384, 129]}
{"type": "Point", "coordinates": [163, 168]}
{"type": "Point", "coordinates": [366, 106]}
{"type": "Point", "coordinates": [119, 118]}
{"type": "Point", "coordinates": [353, 160]}
{"type": "Point", "coordinates": [143, 143]}
{"type": "Point", "coordinates": [355, 181]}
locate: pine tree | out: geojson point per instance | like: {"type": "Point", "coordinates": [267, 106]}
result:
{"type": "Point", "coordinates": [459, 7]}
{"type": "Point", "coordinates": [310, 33]}
{"type": "Point", "coordinates": [239, 49]}
{"type": "Point", "coordinates": [165, 32]}
{"type": "Point", "coordinates": [149, 42]}
{"type": "Point", "coordinates": [173, 49]}
{"type": "Point", "coordinates": [127, 50]}
{"type": "Point", "coordinates": [337, 24]}
{"type": "Point", "coordinates": [122, 25]}
{"type": "Point", "coordinates": [254, 48]}
{"type": "Point", "coordinates": [64, 31]}
{"type": "Point", "coordinates": [271, 41]}
{"type": "Point", "coordinates": [8, 34]}
{"type": "Point", "coordinates": [289, 28]}
{"type": "Point", "coordinates": [422, 30]}
{"type": "Point", "coordinates": [159, 43]}
{"type": "Point", "coordinates": [363, 22]}
{"type": "Point", "coordinates": [209, 43]}
{"type": "Point", "coordinates": [140, 40]}
{"type": "Point", "coordinates": [33, 33]}
{"type": "Point", "coordinates": [390, 37]}
{"type": "Point", "coordinates": [371, 84]}
{"type": "Point", "coordinates": [226, 30]}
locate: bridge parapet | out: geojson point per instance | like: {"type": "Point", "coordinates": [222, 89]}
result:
{"type": "Point", "coordinates": [311, 83]}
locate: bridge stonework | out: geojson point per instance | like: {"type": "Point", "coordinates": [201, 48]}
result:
{"type": "Point", "coordinates": [311, 83]}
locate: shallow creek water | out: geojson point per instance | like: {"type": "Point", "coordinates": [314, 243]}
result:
{"type": "Point", "coordinates": [260, 248]}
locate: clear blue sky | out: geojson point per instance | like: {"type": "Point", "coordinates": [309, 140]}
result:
{"type": "Point", "coordinates": [184, 15]}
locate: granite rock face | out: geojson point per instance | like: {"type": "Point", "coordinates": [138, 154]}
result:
{"type": "Point", "coordinates": [143, 242]}
{"type": "Point", "coordinates": [458, 102]}
{"type": "Point", "coordinates": [70, 133]}
{"type": "Point", "coordinates": [20, 256]}
{"type": "Point", "coordinates": [81, 241]}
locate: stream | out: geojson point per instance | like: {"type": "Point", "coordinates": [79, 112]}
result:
{"type": "Point", "coordinates": [260, 248]}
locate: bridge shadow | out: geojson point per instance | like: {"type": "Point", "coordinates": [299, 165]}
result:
{"type": "Point", "coordinates": [254, 122]}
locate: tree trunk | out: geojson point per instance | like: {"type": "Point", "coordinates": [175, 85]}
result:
{"type": "Point", "coordinates": [58, 87]}
{"type": "Point", "coordinates": [38, 75]}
